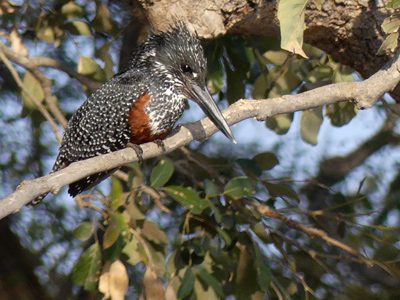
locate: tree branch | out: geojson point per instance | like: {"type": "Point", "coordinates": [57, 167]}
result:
{"type": "Point", "coordinates": [364, 94]}
{"type": "Point", "coordinates": [36, 62]}
{"type": "Point", "coordinates": [310, 231]}
{"type": "Point", "coordinates": [337, 168]}
{"type": "Point", "coordinates": [22, 86]}
{"type": "Point", "coordinates": [338, 29]}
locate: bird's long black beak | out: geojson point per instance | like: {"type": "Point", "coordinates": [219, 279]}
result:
{"type": "Point", "coordinates": [203, 98]}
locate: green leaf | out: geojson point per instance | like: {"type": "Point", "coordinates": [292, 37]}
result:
{"type": "Point", "coordinates": [84, 231]}
{"type": "Point", "coordinates": [391, 24]}
{"type": "Point", "coordinates": [210, 280]}
{"type": "Point", "coordinates": [136, 176]}
{"type": "Point", "coordinates": [281, 190]}
{"type": "Point", "coordinates": [114, 252]}
{"type": "Point", "coordinates": [87, 270]}
{"type": "Point", "coordinates": [104, 55]}
{"type": "Point", "coordinates": [175, 262]}
{"type": "Point", "coordinates": [162, 172]}
{"type": "Point", "coordinates": [310, 124]}
{"type": "Point", "coordinates": [78, 28]}
{"type": "Point", "coordinates": [103, 22]}
{"type": "Point", "coordinates": [116, 193]}
{"type": "Point", "coordinates": [249, 165]}
{"type": "Point", "coordinates": [35, 88]}
{"type": "Point", "coordinates": [393, 4]}
{"type": "Point", "coordinates": [321, 72]}
{"type": "Point", "coordinates": [225, 235]}
{"type": "Point", "coordinates": [71, 10]}
{"type": "Point", "coordinates": [89, 67]}
{"type": "Point", "coordinates": [216, 212]}
{"type": "Point", "coordinates": [263, 272]}
{"type": "Point", "coordinates": [215, 69]}
{"type": "Point", "coordinates": [284, 79]}
{"type": "Point", "coordinates": [116, 226]}
{"type": "Point", "coordinates": [157, 256]}
{"type": "Point", "coordinates": [266, 160]}
{"type": "Point", "coordinates": [131, 250]}
{"type": "Point", "coordinates": [204, 291]}
{"type": "Point", "coordinates": [134, 212]}
{"type": "Point", "coordinates": [390, 43]}
{"type": "Point", "coordinates": [211, 188]}
{"type": "Point", "coordinates": [236, 66]}
{"type": "Point", "coordinates": [312, 52]}
{"type": "Point", "coordinates": [261, 232]}
{"type": "Point", "coordinates": [187, 283]}
{"type": "Point", "coordinates": [246, 285]}
{"type": "Point", "coordinates": [276, 57]}
{"type": "Point", "coordinates": [280, 123]}
{"type": "Point", "coordinates": [188, 198]}
{"type": "Point", "coordinates": [235, 84]}
{"type": "Point", "coordinates": [341, 113]}
{"type": "Point", "coordinates": [46, 34]}
{"type": "Point", "coordinates": [215, 75]}
{"type": "Point", "coordinates": [343, 74]}
{"type": "Point", "coordinates": [291, 17]}
{"type": "Point", "coordinates": [264, 43]}
{"type": "Point", "coordinates": [239, 187]}
{"type": "Point", "coordinates": [152, 232]}
{"type": "Point", "coordinates": [260, 87]}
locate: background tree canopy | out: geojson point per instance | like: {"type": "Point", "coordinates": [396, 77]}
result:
{"type": "Point", "coordinates": [304, 207]}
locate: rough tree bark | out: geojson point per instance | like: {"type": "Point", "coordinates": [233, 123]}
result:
{"type": "Point", "coordinates": [349, 30]}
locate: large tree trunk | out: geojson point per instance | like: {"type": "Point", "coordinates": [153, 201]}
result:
{"type": "Point", "coordinates": [349, 30]}
{"type": "Point", "coordinates": [17, 268]}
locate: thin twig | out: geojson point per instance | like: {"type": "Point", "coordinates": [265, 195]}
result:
{"type": "Point", "coordinates": [79, 200]}
{"type": "Point", "coordinates": [22, 86]}
{"type": "Point", "coordinates": [145, 247]}
{"type": "Point", "coordinates": [310, 231]}
{"type": "Point", "coordinates": [156, 197]}
{"type": "Point", "coordinates": [48, 96]}
{"type": "Point", "coordinates": [148, 190]}
{"type": "Point", "coordinates": [36, 62]}
{"type": "Point", "coordinates": [277, 292]}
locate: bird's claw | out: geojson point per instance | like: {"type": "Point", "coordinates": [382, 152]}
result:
{"type": "Point", "coordinates": [160, 143]}
{"type": "Point", "coordinates": [138, 150]}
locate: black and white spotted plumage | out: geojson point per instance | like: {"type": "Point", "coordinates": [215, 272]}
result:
{"type": "Point", "coordinates": [164, 69]}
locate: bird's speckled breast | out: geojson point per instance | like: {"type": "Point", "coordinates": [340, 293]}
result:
{"type": "Point", "coordinates": [164, 111]}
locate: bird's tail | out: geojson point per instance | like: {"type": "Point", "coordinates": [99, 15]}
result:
{"type": "Point", "coordinates": [79, 186]}
{"type": "Point", "coordinates": [37, 200]}
{"type": "Point", "coordinates": [58, 165]}
{"type": "Point", "coordinates": [86, 183]}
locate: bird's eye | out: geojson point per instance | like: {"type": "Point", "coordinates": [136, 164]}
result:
{"type": "Point", "coordinates": [186, 68]}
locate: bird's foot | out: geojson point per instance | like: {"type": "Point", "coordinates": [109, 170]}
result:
{"type": "Point", "coordinates": [160, 143]}
{"type": "Point", "coordinates": [138, 150]}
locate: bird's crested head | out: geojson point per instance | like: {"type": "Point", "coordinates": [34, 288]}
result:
{"type": "Point", "coordinates": [176, 57]}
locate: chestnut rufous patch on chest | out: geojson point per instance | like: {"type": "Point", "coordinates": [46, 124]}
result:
{"type": "Point", "coordinates": [139, 123]}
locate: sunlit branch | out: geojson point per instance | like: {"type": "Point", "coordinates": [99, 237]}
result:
{"type": "Point", "coordinates": [364, 94]}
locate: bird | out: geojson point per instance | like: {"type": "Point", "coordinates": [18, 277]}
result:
{"type": "Point", "coordinates": [140, 104]}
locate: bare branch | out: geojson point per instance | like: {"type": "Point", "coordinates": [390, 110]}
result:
{"type": "Point", "coordinates": [311, 231]}
{"type": "Point", "coordinates": [364, 94]}
{"type": "Point", "coordinates": [22, 86]}
{"type": "Point", "coordinates": [36, 62]}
